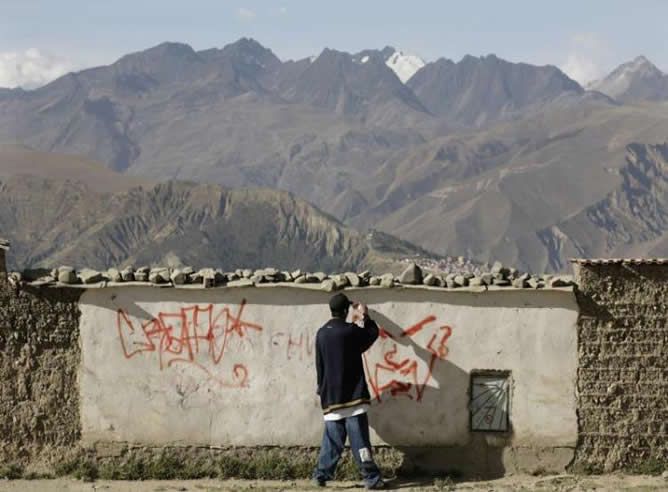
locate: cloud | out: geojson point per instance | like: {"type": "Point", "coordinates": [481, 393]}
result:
{"type": "Point", "coordinates": [581, 69]}
{"type": "Point", "coordinates": [246, 14]}
{"type": "Point", "coordinates": [589, 58]}
{"type": "Point", "coordinates": [30, 69]}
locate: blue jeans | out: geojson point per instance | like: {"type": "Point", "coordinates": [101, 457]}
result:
{"type": "Point", "coordinates": [333, 442]}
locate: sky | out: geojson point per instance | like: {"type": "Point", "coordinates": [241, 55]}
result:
{"type": "Point", "coordinates": [43, 39]}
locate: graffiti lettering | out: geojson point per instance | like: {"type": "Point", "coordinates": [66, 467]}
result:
{"type": "Point", "coordinates": [193, 335]}
{"type": "Point", "coordinates": [400, 364]}
{"type": "Point", "coordinates": [296, 347]}
{"type": "Point", "coordinates": [399, 375]}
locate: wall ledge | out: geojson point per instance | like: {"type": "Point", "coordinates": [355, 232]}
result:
{"type": "Point", "coordinates": [292, 285]}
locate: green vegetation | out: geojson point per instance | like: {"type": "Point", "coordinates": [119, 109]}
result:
{"type": "Point", "coordinates": [11, 471]}
{"type": "Point", "coordinates": [585, 468]}
{"type": "Point", "coordinates": [651, 466]}
{"type": "Point", "coordinates": [444, 483]}
{"type": "Point", "coordinates": [269, 466]}
{"type": "Point", "coordinates": [86, 471]}
{"type": "Point", "coordinates": [165, 467]}
{"type": "Point", "coordinates": [256, 465]}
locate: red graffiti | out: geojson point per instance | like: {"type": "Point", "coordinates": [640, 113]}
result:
{"type": "Point", "coordinates": [194, 335]}
{"type": "Point", "coordinates": [393, 367]}
{"type": "Point", "coordinates": [296, 347]}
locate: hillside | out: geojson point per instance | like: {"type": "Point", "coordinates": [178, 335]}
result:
{"type": "Point", "coordinates": [53, 222]}
{"type": "Point", "coordinates": [17, 160]}
{"type": "Point", "coordinates": [497, 194]}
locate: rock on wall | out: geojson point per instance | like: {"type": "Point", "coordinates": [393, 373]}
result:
{"type": "Point", "coordinates": [39, 359]}
{"type": "Point", "coordinates": [623, 365]}
{"type": "Point", "coordinates": [236, 366]}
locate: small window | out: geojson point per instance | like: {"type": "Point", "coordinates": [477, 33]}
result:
{"type": "Point", "coordinates": [490, 401]}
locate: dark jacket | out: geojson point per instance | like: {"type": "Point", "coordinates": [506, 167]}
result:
{"type": "Point", "coordinates": [338, 360]}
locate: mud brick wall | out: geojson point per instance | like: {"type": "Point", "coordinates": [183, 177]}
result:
{"type": "Point", "coordinates": [39, 361]}
{"type": "Point", "coordinates": [3, 264]}
{"type": "Point", "coordinates": [623, 366]}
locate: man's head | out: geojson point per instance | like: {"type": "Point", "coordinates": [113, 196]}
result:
{"type": "Point", "coordinates": [339, 305]}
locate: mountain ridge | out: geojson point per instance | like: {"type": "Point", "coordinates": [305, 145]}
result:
{"type": "Point", "coordinates": [198, 225]}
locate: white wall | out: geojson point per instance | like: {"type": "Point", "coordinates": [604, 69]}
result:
{"type": "Point", "coordinates": [254, 382]}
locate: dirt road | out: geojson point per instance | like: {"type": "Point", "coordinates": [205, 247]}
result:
{"type": "Point", "coordinates": [636, 483]}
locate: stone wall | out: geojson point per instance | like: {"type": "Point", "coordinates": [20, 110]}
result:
{"type": "Point", "coordinates": [39, 360]}
{"type": "Point", "coordinates": [623, 365]}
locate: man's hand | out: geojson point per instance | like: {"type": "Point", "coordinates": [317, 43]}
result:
{"type": "Point", "coordinates": [362, 308]}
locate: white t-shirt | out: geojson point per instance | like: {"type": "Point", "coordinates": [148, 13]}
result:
{"type": "Point", "coordinates": [347, 412]}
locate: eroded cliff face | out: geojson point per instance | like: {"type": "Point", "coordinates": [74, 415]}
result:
{"type": "Point", "coordinates": [181, 223]}
{"type": "Point", "coordinates": [631, 217]}
{"type": "Point", "coordinates": [39, 361]}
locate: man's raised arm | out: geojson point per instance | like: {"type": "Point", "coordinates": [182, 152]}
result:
{"type": "Point", "coordinates": [369, 333]}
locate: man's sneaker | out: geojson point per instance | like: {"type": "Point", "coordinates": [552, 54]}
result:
{"type": "Point", "coordinates": [319, 483]}
{"type": "Point", "coordinates": [378, 485]}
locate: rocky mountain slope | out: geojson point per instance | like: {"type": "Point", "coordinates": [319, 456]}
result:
{"type": "Point", "coordinates": [494, 194]}
{"type": "Point", "coordinates": [638, 79]}
{"type": "Point", "coordinates": [629, 219]}
{"type": "Point", "coordinates": [51, 222]}
{"type": "Point", "coordinates": [476, 91]}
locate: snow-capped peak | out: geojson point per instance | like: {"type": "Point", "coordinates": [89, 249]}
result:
{"type": "Point", "coordinates": [404, 64]}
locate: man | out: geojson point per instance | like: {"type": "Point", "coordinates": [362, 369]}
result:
{"type": "Point", "coordinates": [344, 395]}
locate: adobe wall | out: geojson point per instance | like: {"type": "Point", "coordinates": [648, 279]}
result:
{"type": "Point", "coordinates": [149, 374]}
{"type": "Point", "coordinates": [623, 366]}
{"type": "Point", "coordinates": [39, 363]}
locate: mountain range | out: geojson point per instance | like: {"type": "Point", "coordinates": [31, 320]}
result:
{"type": "Point", "coordinates": [482, 157]}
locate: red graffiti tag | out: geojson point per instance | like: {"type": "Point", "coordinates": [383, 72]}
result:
{"type": "Point", "coordinates": [194, 335]}
{"type": "Point", "coordinates": [392, 366]}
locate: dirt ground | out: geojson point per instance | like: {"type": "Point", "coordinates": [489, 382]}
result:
{"type": "Point", "coordinates": [510, 483]}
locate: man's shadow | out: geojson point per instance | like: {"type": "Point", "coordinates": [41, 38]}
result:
{"type": "Point", "coordinates": [436, 414]}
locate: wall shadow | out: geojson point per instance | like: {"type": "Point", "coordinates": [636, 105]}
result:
{"type": "Point", "coordinates": [399, 417]}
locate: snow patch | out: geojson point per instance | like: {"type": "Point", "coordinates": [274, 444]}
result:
{"type": "Point", "coordinates": [404, 64]}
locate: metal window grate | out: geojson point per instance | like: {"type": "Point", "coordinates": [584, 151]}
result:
{"type": "Point", "coordinates": [490, 402]}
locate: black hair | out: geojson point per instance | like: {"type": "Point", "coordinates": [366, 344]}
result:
{"type": "Point", "coordinates": [338, 314]}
